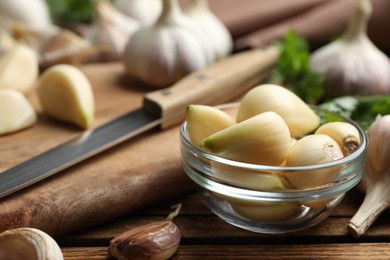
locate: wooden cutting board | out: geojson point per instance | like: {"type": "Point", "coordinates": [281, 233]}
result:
{"type": "Point", "coordinates": [128, 177]}
{"type": "Point", "coordinates": [135, 174]}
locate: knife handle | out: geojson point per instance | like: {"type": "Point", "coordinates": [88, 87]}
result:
{"type": "Point", "coordinates": [220, 82]}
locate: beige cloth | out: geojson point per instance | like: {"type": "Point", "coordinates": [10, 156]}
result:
{"type": "Point", "coordinates": [255, 23]}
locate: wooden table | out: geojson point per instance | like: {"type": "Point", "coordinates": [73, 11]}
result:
{"type": "Point", "coordinates": [205, 236]}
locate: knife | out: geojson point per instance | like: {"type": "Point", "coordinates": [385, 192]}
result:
{"type": "Point", "coordinates": [220, 82]}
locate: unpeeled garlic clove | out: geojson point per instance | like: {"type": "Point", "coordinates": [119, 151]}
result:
{"type": "Point", "coordinates": [312, 150]}
{"type": "Point", "coordinates": [261, 139]}
{"type": "Point", "coordinates": [66, 94]}
{"type": "Point", "coordinates": [212, 27]}
{"type": "Point", "coordinates": [18, 68]}
{"type": "Point", "coordinates": [345, 134]}
{"type": "Point", "coordinates": [161, 54]}
{"type": "Point", "coordinates": [16, 112]}
{"type": "Point", "coordinates": [299, 117]}
{"type": "Point", "coordinates": [28, 244]}
{"type": "Point", "coordinates": [203, 121]}
{"type": "Point", "coordinates": [157, 240]}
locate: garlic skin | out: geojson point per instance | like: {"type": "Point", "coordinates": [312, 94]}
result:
{"type": "Point", "coordinates": [28, 244]}
{"type": "Point", "coordinates": [376, 178]}
{"type": "Point", "coordinates": [163, 53]}
{"type": "Point", "coordinates": [261, 139]}
{"type": "Point", "coordinates": [111, 29]}
{"type": "Point", "coordinates": [216, 31]}
{"type": "Point", "coordinates": [353, 64]}
{"type": "Point", "coordinates": [311, 150]}
{"type": "Point", "coordinates": [144, 11]}
{"type": "Point", "coordinates": [203, 121]}
{"type": "Point", "coordinates": [34, 13]}
{"type": "Point", "coordinates": [345, 134]}
{"type": "Point", "coordinates": [299, 117]}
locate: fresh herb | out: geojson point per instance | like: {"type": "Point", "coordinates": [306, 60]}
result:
{"type": "Point", "coordinates": [69, 12]}
{"type": "Point", "coordinates": [293, 69]}
{"type": "Point", "coordinates": [361, 109]}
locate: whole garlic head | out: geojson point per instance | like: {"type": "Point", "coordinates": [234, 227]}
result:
{"type": "Point", "coordinates": [161, 54]}
{"type": "Point", "coordinates": [29, 244]}
{"type": "Point", "coordinates": [144, 11]}
{"type": "Point", "coordinates": [353, 64]}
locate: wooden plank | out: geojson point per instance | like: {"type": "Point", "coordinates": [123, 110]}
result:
{"type": "Point", "coordinates": [312, 251]}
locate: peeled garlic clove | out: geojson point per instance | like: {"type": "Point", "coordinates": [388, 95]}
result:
{"type": "Point", "coordinates": [246, 178]}
{"type": "Point", "coordinates": [203, 121]}
{"type": "Point", "coordinates": [312, 150]}
{"type": "Point", "coordinates": [212, 27]}
{"type": "Point", "coordinates": [161, 54]}
{"type": "Point", "coordinates": [18, 68]}
{"type": "Point", "coordinates": [345, 134]}
{"type": "Point", "coordinates": [16, 112]}
{"type": "Point", "coordinates": [66, 94]}
{"type": "Point", "coordinates": [272, 211]}
{"type": "Point", "coordinates": [299, 117]}
{"type": "Point", "coordinates": [353, 64]}
{"type": "Point", "coordinates": [262, 139]}
{"type": "Point", "coordinates": [144, 11]}
{"type": "Point", "coordinates": [29, 244]}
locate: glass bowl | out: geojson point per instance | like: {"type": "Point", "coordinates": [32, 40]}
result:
{"type": "Point", "coordinates": [258, 198]}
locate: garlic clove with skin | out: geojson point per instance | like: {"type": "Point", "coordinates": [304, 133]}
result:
{"type": "Point", "coordinates": [261, 139]}
{"type": "Point", "coordinates": [163, 53]}
{"type": "Point", "coordinates": [215, 30]}
{"type": "Point", "coordinates": [28, 244]}
{"type": "Point", "coordinates": [312, 150]}
{"type": "Point", "coordinates": [376, 178]}
{"type": "Point", "coordinates": [353, 64]}
{"type": "Point", "coordinates": [299, 117]}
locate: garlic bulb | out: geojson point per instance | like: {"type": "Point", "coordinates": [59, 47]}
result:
{"type": "Point", "coordinates": [161, 54]}
{"type": "Point", "coordinates": [376, 179]}
{"type": "Point", "coordinates": [261, 139]}
{"type": "Point", "coordinates": [353, 64]}
{"type": "Point", "coordinates": [212, 27]}
{"type": "Point", "coordinates": [111, 29]}
{"type": "Point", "coordinates": [203, 121]}
{"type": "Point", "coordinates": [29, 244]}
{"type": "Point", "coordinates": [144, 11]}
{"type": "Point", "coordinates": [299, 117]}
{"type": "Point", "coordinates": [34, 13]}
{"type": "Point", "coordinates": [311, 150]}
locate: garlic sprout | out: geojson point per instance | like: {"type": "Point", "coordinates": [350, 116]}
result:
{"type": "Point", "coordinates": [376, 179]}
{"type": "Point", "coordinates": [353, 64]}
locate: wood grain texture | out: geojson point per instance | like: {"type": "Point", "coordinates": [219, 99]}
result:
{"type": "Point", "coordinates": [131, 176]}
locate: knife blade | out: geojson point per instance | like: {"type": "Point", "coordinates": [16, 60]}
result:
{"type": "Point", "coordinates": [220, 82]}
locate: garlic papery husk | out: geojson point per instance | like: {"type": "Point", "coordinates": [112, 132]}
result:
{"type": "Point", "coordinates": [376, 178]}
{"type": "Point", "coordinates": [212, 27]}
{"type": "Point", "coordinates": [163, 53]}
{"type": "Point", "coordinates": [312, 150]}
{"type": "Point", "coordinates": [299, 117]}
{"type": "Point", "coordinates": [144, 11]}
{"type": "Point", "coordinates": [34, 13]}
{"type": "Point", "coordinates": [111, 30]}
{"type": "Point", "coordinates": [29, 244]}
{"type": "Point", "coordinates": [353, 64]}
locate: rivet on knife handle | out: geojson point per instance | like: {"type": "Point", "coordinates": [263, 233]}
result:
{"type": "Point", "coordinates": [218, 83]}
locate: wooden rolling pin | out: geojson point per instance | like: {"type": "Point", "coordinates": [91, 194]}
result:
{"type": "Point", "coordinates": [133, 175]}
